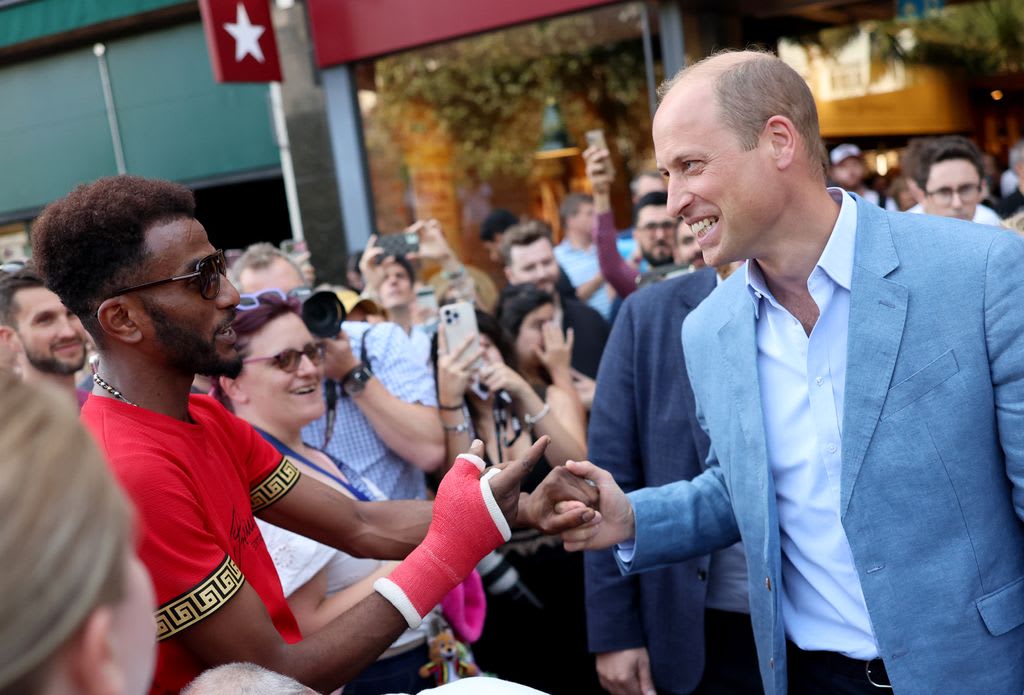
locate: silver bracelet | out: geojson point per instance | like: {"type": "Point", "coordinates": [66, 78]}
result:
{"type": "Point", "coordinates": [459, 428]}
{"type": "Point", "coordinates": [532, 420]}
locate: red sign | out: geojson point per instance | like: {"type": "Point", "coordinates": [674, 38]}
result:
{"type": "Point", "coordinates": [240, 39]}
{"type": "Point", "coordinates": [348, 30]}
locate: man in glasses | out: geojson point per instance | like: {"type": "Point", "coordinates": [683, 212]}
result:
{"type": "Point", "coordinates": [948, 180]}
{"type": "Point", "coordinates": [46, 338]}
{"type": "Point", "coordinates": [127, 255]}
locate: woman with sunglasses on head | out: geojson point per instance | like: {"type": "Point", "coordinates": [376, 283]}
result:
{"type": "Point", "coordinates": [279, 391]}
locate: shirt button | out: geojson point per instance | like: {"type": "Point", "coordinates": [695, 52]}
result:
{"type": "Point", "coordinates": [819, 381]}
{"type": "Point", "coordinates": [768, 583]}
{"type": "Point", "coordinates": [702, 575]}
{"type": "Point", "coordinates": [831, 448]}
{"type": "Point", "coordinates": [758, 295]}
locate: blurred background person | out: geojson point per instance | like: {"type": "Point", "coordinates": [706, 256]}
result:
{"type": "Point", "coordinates": [687, 250]}
{"type": "Point", "coordinates": [529, 259]}
{"type": "Point", "coordinates": [76, 606]}
{"type": "Point", "coordinates": [948, 173]}
{"type": "Point", "coordinates": [655, 231]}
{"type": "Point", "coordinates": [1013, 202]}
{"type": "Point", "coordinates": [643, 183]}
{"type": "Point", "coordinates": [279, 392]}
{"type": "Point", "coordinates": [390, 281]}
{"type": "Point", "coordinates": [48, 340]}
{"type": "Point", "coordinates": [848, 171]}
{"type": "Point", "coordinates": [577, 255]}
{"type": "Point", "coordinates": [900, 194]}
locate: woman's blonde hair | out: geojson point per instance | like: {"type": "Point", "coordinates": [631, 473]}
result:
{"type": "Point", "coordinates": [64, 532]}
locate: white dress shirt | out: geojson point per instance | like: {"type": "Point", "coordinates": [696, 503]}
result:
{"type": "Point", "coordinates": [803, 383]}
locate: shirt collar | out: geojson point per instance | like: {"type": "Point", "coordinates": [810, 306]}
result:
{"type": "Point", "coordinates": [836, 259]}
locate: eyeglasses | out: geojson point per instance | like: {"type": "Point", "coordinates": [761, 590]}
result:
{"type": "Point", "coordinates": [290, 359]}
{"type": "Point", "coordinates": [664, 225]}
{"type": "Point", "coordinates": [209, 271]}
{"type": "Point", "coordinates": [251, 300]}
{"type": "Point", "coordinates": [966, 193]}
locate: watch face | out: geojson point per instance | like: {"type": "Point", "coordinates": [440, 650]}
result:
{"type": "Point", "coordinates": [355, 382]}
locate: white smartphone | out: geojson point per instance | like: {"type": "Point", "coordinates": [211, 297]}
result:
{"type": "Point", "coordinates": [459, 321]}
{"type": "Point", "coordinates": [595, 138]}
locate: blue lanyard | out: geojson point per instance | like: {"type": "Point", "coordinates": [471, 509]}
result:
{"type": "Point", "coordinates": [288, 451]}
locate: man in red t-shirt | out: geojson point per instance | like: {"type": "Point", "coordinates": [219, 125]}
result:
{"type": "Point", "coordinates": [127, 255]}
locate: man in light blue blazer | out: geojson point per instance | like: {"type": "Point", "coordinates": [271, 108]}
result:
{"type": "Point", "coordinates": [862, 383]}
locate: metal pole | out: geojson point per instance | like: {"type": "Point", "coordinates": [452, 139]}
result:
{"type": "Point", "coordinates": [100, 51]}
{"type": "Point", "coordinates": [652, 97]}
{"type": "Point", "coordinates": [291, 191]}
{"type": "Point", "coordinates": [670, 23]}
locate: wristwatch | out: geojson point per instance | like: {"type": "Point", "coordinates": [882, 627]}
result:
{"type": "Point", "coordinates": [355, 381]}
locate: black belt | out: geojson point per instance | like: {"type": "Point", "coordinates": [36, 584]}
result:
{"type": "Point", "coordinates": [872, 671]}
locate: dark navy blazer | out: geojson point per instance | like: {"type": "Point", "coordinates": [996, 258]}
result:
{"type": "Point", "coordinates": [643, 430]}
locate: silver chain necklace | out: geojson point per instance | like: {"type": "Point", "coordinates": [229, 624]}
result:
{"type": "Point", "coordinates": [111, 390]}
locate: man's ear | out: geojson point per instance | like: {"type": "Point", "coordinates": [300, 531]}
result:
{"type": "Point", "coordinates": [9, 339]}
{"type": "Point", "coordinates": [781, 137]}
{"type": "Point", "coordinates": [120, 318]}
{"type": "Point", "coordinates": [90, 658]}
{"type": "Point", "coordinates": [233, 390]}
{"type": "Point", "coordinates": [915, 190]}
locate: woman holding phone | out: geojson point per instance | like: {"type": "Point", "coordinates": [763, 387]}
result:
{"type": "Point", "coordinates": [535, 630]}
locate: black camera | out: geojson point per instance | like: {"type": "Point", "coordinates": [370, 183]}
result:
{"type": "Point", "coordinates": [323, 312]}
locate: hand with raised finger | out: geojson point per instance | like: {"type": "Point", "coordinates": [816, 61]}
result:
{"type": "Point", "coordinates": [454, 369]}
{"type": "Point", "coordinates": [615, 523]}
{"type": "Point", "coordinates": [556, 355]}
{"type": "Point", "coordinates": [370, 265]}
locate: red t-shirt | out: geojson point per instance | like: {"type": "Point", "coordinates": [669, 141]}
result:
{"type": "Point", "coordinates": [195, 487]}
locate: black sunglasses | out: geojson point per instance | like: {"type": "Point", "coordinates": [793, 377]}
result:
{"type": "Point", "coordinates": [290, 359]}
{"type": "Point", "coordinates": [209, 271]}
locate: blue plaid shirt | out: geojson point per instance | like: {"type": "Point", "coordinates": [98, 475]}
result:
{"type": "Point", "coordinates": [354, 441]}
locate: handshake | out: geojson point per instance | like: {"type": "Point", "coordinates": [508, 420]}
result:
{"type": "Point", "coordinates": [476, 507]}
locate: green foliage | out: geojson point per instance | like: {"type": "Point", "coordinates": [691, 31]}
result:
{"type": "Point", "coordinates": [981, 38]}
{"type": "Point", "coordinates": [489, 91]}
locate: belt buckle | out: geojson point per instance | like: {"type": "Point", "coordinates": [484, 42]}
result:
{"type": "Point", "coordinates": [867, 671]}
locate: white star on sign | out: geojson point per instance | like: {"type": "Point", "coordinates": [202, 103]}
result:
{"type": "Point", "coordinates": [246, 34]}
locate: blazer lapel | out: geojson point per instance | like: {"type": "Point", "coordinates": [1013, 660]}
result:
{"type": "Point", "coordinates": [738, 344]}
{"type": "Point", "coordinates": [878, 310]}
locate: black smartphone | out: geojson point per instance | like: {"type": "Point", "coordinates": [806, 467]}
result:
{"type": "Point", "coordinates": [400, 244]}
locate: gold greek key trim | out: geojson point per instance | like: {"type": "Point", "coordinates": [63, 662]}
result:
{"type": "Point", "coordinates": [274, 486]}
{"type": "Point", "coordinates": [189, 608]}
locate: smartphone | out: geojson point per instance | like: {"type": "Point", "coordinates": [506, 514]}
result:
{"type": "Point", "coordinates": [400, 244]}
{"type": "Point", "coordinates": [595, 138]}
{"type": "Point", "coordinates": [459, 321]}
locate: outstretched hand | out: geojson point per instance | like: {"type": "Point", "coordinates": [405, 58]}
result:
{"type": "Point", "coordinates": [561, 502]}
{"type": "Point", "coordinates": [614, 522]}
{"type": "Point", "coordinates": [505, 486]}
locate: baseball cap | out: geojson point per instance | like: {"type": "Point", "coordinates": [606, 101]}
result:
{"type": "Point", "coordinates": [844, 151]}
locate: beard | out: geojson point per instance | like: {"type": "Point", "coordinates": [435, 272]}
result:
{"type": "Point", "coordinates": [189, 351]}
{"type": "Point", "coordinates": [48, 364]}
{"type": "Point", "coordinates": [658, 255]}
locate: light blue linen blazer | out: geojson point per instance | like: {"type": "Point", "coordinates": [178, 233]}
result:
{"type": "Point", "coordinates": [932, 486]}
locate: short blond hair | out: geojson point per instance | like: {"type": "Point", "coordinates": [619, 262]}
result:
{"type": "Point", "coordinates": [752, 90]}
{"type": "Point", "coordinates": [64, 533]}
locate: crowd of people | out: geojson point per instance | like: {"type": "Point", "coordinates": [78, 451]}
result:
{"type": "Point", "coordinates": [778, 413]}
